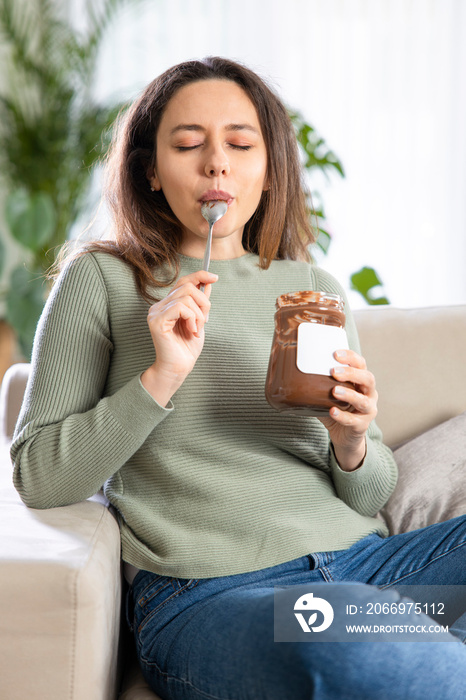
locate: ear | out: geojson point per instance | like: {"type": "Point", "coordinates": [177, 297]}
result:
{"type": "Point", "coordinates": [154, 181]}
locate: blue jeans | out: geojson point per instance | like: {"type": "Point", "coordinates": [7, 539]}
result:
{"type": "Point", "coordinates": [213, 639]}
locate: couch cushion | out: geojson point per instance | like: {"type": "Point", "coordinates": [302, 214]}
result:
{"type": "Point", "coordinates": [59, 599]}
{"type": "Point", "coordinates": [416, 356]}
{"type": "Point", "coordinates": [431, 486]}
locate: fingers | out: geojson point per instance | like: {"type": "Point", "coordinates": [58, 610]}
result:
{"type": "Point", "coordinates": [354, 371]}
{"type": "Point", "coordinates": [187, 292]}
{"type": "Point", "coordinates": [167, 315]}
{"type": "Point", "coordinates": [361, 378]}
{"type": "Point", "coordinates": [361, 403]}
{"type": "Point", "coordinates": [185, 301]}
{"type": "Point", "coordinates": [351, 358]}
{"type": "Point", "coordinates": [363, 398]}
{"type": "Point", "coordinates": [189, 285]}
{"type": "Point", "coordinates": [196, 279]}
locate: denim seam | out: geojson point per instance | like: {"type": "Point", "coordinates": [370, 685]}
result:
{"type": "Point", "coordinates": [149, 585]}
{"type": "Point", "coordinates": [197, 690]}
{"type": "Point", "coordinates": [326, 573]}
{"type": "Point", "coordinates": [169, 679]}
{"type": "Point", "coordinates": [143, 598]}
{"type": "Point", "coordinates": [192, 583]}
{"type": "Point", "coordinates": [323, 558]}
{"type": "Point", "coordinates": [415, 571]}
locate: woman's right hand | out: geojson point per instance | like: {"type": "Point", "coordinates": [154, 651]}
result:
{"type": "Point", "coordinates": [176, 325]}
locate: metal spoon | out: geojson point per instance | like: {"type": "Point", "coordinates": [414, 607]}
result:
{"type": "Point", "coordinates": [212, 211]}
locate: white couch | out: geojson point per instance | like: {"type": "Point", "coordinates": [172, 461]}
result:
{"type": "Point", "coordinates": [61, 587]}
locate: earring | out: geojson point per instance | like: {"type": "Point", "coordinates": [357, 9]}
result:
{"type": "Point", "coordinates": [152, 189]}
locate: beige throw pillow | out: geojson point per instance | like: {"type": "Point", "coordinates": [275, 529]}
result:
{"type": "Point", "coordinates": [431, 486]}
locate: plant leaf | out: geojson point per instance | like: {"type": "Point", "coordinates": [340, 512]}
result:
{"type": "Point", "coordinates": [323, 240]}
{"type": "Point", "coordinates": [2, 255]}
{"type": "Point", "coordinates": [316, 152]}
{"type": "Point", "coordinates": [31, 218]}
{"type": "Point", "coordinates": [24, 303]}
{"type": "Point", "coordinates": [366, 281]}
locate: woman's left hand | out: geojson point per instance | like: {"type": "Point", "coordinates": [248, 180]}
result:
{"type": "Point", "coordinates": [348, 429]}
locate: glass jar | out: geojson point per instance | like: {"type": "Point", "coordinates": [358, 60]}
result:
{"type": "Point", "coordinates": [309, 327]}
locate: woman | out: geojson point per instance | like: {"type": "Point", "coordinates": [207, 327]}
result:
{"type": "Point", "coordinates": [146, 384]}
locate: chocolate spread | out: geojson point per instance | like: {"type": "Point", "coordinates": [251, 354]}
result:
{"type": "Point", "coordinates": [287, 387]}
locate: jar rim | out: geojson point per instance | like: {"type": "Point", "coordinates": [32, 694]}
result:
{"type": "Point", "coordinates": [310, 297]}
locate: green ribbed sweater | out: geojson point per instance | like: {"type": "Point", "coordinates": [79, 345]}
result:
{"type": "Point", "coordinates": [216, 483]}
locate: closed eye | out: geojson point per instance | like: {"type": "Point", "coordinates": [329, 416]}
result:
{"type": "Point", "coordinates": [232, 145]}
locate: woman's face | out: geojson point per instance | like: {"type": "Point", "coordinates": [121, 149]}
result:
{"type": "Point", "coordinates": [210, 146]}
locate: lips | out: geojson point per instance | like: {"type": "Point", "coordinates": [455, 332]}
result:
{"type": "Point", "coordinates": [211, 195]}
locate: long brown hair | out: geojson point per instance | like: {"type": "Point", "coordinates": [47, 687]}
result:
{"type": "Point", "coordinates": [146, 232]}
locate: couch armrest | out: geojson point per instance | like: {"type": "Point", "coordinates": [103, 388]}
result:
{"type": "Point", "coordinates": [60, 599]}
{"type": "Point", "coordinates": [11, 396]}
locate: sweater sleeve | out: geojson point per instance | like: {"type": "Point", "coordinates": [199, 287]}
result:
{"type": "Point", "coordinates": [69, 440]}
{"type": "Point", "coordinates": [367, 488]}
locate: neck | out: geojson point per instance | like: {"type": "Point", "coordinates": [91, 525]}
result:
{"type": "Point", "coordinates": [222, 248]}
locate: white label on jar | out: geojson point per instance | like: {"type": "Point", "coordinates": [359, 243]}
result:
{"type": "Point", "coordinates": [316, 345]}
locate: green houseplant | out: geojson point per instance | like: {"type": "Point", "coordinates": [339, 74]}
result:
{"type": "Point", "coordinates": [317, 156]}
{"type": "Point", "coordinates": [52, 132]}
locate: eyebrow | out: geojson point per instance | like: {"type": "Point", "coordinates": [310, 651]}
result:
{"type": "Point", "coordinates": [198, 127]}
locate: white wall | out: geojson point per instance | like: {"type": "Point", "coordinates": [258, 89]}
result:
{"type": "Point", "coordinates": [384, 81]}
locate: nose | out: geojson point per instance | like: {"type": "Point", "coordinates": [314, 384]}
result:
{"type": "Point", "coordinates": [217, 163]}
